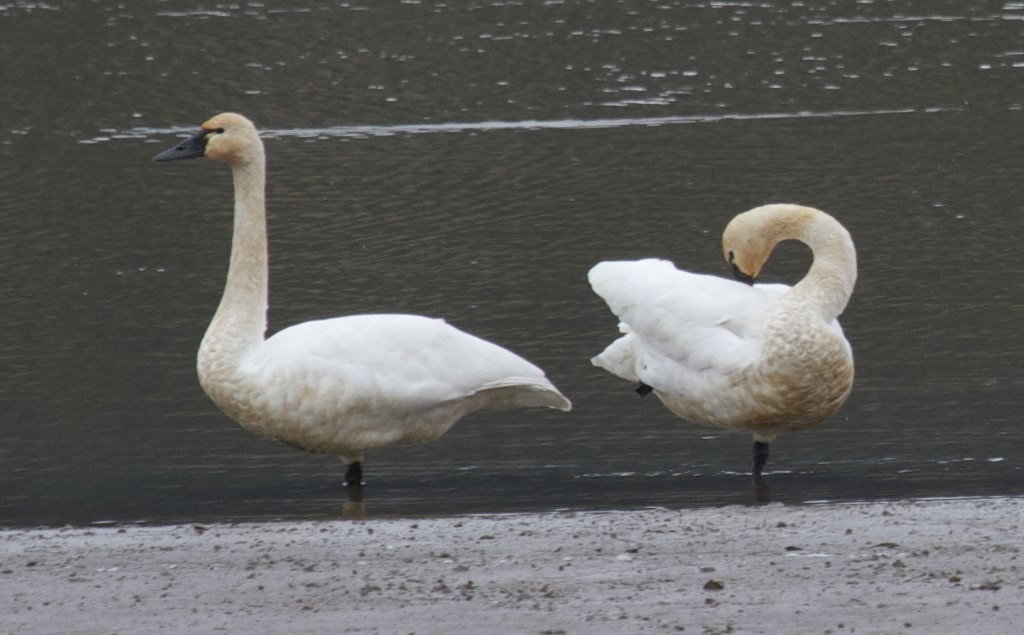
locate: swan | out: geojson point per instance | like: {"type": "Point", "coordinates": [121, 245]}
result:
{"type": "Point", "coordinates": [343, 385]}
{"type": "Point", "coordinates": [764, 358]}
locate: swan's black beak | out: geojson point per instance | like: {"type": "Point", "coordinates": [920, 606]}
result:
{"type": "Point", "coordinates": [742, 277]}
{"type": "Point", "coordinates": [191, 148]}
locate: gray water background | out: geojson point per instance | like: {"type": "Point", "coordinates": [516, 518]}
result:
{"type": "Point", "coordinates": [472, 161]}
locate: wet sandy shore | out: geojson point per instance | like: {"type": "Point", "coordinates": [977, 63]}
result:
{"type": "Point", "coordinates": [910, 567]}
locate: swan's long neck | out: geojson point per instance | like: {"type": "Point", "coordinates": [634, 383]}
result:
{"type": "Point", "coordinates": [829, 282]}
{"type": "Point", "coordinates": [241, 319]}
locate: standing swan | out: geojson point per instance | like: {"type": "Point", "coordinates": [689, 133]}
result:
{"type": "Point", "coordinates": [343, 385]}
{"type": "Point", "coordinates": [764, 358]}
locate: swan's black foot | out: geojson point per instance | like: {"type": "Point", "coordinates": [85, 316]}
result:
{"type": "Point", "coordinates": [643, 389]}
{"type": "Point", "coordinates": [760, 455]}
{"type": "Point", "coordinates": [354, 474]}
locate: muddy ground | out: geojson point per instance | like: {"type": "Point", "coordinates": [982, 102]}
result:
{"type": "Point", "coordinates": [910, 567]}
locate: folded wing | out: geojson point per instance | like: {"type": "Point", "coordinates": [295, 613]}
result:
{"type": "Point", "coordinates": [679, 325]}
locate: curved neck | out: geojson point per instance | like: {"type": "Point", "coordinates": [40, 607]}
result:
{"type": "Point", "coordinates": [829, 282]}
{"type": "Point", "coordinates": [241, 318]}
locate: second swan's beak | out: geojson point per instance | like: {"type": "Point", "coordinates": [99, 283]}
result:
{"type": "Point", "coordinates": [191, 148]}
{"type": "Point", "coordinates": [742, 277]}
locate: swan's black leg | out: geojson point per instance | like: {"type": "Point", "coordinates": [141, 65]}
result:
{"type": "Point", "coordinates": [643, 389]}
{"type": "Point", "coordinates": [354, 474]}
{"type": "Point", "coordinates": [760, 457]}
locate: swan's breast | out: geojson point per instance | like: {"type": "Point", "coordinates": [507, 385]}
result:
{"type": "Point", "coordinates": [806, 372]}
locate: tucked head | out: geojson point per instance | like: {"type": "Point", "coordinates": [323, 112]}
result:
{"type": "Point", "coordinates": [227, 137]}
{"type": "Point", "coordinates": [749, 238]}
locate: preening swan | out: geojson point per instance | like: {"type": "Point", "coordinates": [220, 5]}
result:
{"type": "Point", "coordinates": [344, 385]}
{"type": "Point", "coordinates": [765, 358]}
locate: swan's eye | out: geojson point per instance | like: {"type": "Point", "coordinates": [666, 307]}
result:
{"type": "Point", "coordinates": [732, 257]}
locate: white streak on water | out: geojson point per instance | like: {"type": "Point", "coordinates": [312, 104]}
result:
{"type": "Point", "coordinates": [368, 131]}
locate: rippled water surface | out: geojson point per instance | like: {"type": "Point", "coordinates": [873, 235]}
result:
{"type": "Point", "coordinates": [472, 161]}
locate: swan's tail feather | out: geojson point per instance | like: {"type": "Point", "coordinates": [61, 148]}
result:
{"type": "Point", "coordinates": [619, 358]}
{"type": "Point", "coordinates": [524, 392]}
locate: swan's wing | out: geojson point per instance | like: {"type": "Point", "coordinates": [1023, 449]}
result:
{"type": "Point", "coordinates": [407, 361]}
{"type": "Point", "coordinates": [683, 322]}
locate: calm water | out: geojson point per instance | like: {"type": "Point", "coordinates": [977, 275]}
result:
{"type": "Point", "coordinates": [472, 161]}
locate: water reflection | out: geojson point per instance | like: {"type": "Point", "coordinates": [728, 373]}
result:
{"type": "Point", "coordinates": [109, 271]}
{"type": "Point", "coordinates": [354, 507]}
{"type": "Point", "coordinates": [762, 491]}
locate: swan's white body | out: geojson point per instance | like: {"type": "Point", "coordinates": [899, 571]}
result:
{"type": "Point", "coordinates": [345, 385]}
{"type": "Point", "coordinates": [342, 385]}
{"type": "Point", "coordinates": [760, 358]}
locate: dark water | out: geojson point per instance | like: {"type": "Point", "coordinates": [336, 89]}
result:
{"type": "Point", "coordinates": [472, 161]}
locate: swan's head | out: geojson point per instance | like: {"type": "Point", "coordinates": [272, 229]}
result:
{"type": "Point", "coordinates": [749, 238]}
{"type": "Point", "coordinates": [227, 137]}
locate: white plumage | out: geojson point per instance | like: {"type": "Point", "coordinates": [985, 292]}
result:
{"type": "Point", "coordinates": [762, 358]}
{"type": "Point", "coordinates": [342, 385]}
